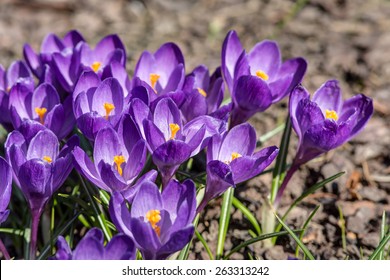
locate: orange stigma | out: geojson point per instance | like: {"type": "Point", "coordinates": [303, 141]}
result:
{"type": "Point", "coordinates": [153, 216]}
{"type": "Point", "coordinates": [235, 155]}
{"type": "Point", "coordinates": [108, 107]}
{"type": "Point", "coordinates": [96, 66]}
{"type": "Point", "coordinates": [48, 159]}
{"type": "Point", "coordinates": [153, 80]}
{"type": "Point", "coordinates": [262, 75]}
{"type": "Point", "coordinates": [331, 114]}
{"type": "Point", "coordinates": [118, 160]}
{"type": "Point", "coordinates": [174, 129]}
{"type": "Point", "coordinates": [41, 113]}
{"type": "Point", "coordinates": [202, 92]}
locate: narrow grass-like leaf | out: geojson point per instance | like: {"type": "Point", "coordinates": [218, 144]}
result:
{"type": "Point", "coordinates": [257, 239]}
{"type": "Point", "coordinates": [280, 165]}
{"type": "Point", "coordinates": [299, 242]}
{"type": "Point", "coordinates": [247, 213]}
{"type": "Point", "coordinates": [204, 243]}
{"type": "Point", "coordinates": [380, 247]}
{"type": "Point", "coordinates": [342, 227]}
{"type": "Point", "coordinates": [183, 255]}
{"type": "Point", "coordinates": [382, 234]}
{"type": "Point", "coordinates": [306, 193]}
{"type": "Point", "coordinates": [58, 232]}
{"type": "Point", "coordinates": [305, 225]}
{"type": "Point", "coordinates": [98, 213]}
{"type": "Point", "coordinates": [224, 220]}
{"type": "Point", "coordinates": [270, 134]}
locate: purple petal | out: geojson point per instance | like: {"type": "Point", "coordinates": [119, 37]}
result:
{"type": "Point", "coordinates": [130, 193]}
{"type": "Point", "coordinates": [61, 170]}
{"type": "Point", "coordinates": [136, 161]}
{"type": "Point", "coordinates": [91, 123]}
{"type": "Point", "coordinates": [231, 50]}
{"type": "Point", "coordinates": [166, 113]}
{"type": "Point", "coordinates": [44, 144]}
{"type": "Point", "coordinates": [111, 177]}
{"type": "Point", "coordinates": [128, 134]}
{"type": "Point", "coordinates": [88, 80]}
{"type": "Point", "coordinates": [328, 97]}
{"type": "Point", "coordinates": [148, 198]}
{"type": "Point", "coordinates": [72, 38]}
{"type": "Point", "coordinates": [6, 184]}
{"type": "Point", "coordinates": [51, 43]}
{"type": "Point", "coordinates": [18, 72]}
{"type": "Point", "coordinates": [240, 139]}
{"type": "Point", "coordinates": [194, 105]}
{"type": "Point", "coordinates": [63, 250]}
{"type": "Point", "coordinates": [20, 99]}
{"type": "Point", "coordinates": [89, 248]}
{"type": "Point", "coordinates": [245, 168]}
{"type": "Point", "coordinates": [33, 60]}
{"type": "Point", "coordinates": [265, 56]}
{"type": "Point", "coordinates": [120, 247]}
{"type": "Point", "coordinates": [298, 94]}
{"type": "Point", "coordinates": [175, 81]}
{"type": "Point", "coordinates": [176, 242]}
{"type": "Point", "coordinates": [153, 135]}
{"type": "Point", "coordinates": [106, 147]}
{"type": "Point", "coordinates": [54, 120]}
{"type": "Point", "coordinates": [107, 45]}
{"type": "Point", "coordinates": [119, 213]}
{"type": "Point", "coordinates": [145, 237]}
{"type": "Point", "coordinates": [85, 166]}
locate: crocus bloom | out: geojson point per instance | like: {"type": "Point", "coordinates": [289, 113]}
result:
{"type": "Point", "coordinates": [172, 143]}
{"type": "Point", "coordinates": [39, 165]}
{"type": "Point", "coordinates": [97, 104]}
{"type": "Point", "coordinates": [231, 160]}
{"type": "Point", "coordinates": [91, 247]}
{"type": "Point", "coordinates": [259, 78]}
{"type": "Point", "coordinates": [204, 94]}
{"type": "Point", "coordinates": [41, 105]}
{"type": "Point", "coordinates": [5, 188]}
{"type": "Point", "coordinates": [163, 71]}
{"type": "Point", "coordinates": [118, 158]}
{"type": "Point", "coordinates": [51, 44]}
{"type": "Point", "coordinates": [17, 73]}
{"type": "Point", "coordinates": [41, 169]}
{"type": "Point", "coordinates": [160, 224]}
{"type": "Point", "coordinates": [324, 123]}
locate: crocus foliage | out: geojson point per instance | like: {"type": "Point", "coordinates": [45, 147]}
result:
{"type": "Point", "coordinates": [137, 140]}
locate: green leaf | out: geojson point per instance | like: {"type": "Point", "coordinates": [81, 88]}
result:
{"type": "Point", "coordinates": [305, 225]}
{"type": "Point", "coordinates": [205, 245]}
{"type": "Point", "coordinates": [224, 220]}
{"type": "Point", "coordinates": [299, 242]}
{"type": "Point", "coordinates": [380, 247]}
{"type": "Point", "coordinates": [247, 213]}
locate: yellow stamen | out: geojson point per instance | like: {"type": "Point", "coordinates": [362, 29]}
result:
{"type": "Point", "coordinates": [235, 155]}
{"type": "Point", "coordinates": [108, 107]}
{"type": "Point", "coordinates": [202, 92]}
{"type": "Point", "coordinates": [96, 66]}
{"type": "Point", "coordinates": [48, 159]}
{"type": "Point", "coordinates": [8, 89]}
{"type": "Point", "coordinates": [174, 129]}
{"type": "Point", "coordinates": [118, 160]}
{"type": "Point", "coordinates": [41, 113]}
{"type": "Point", "coordinates": [331, 114]}
{"type": "Point", "coordinates": [153, 80]}
{"type": "Point", "coordinates": [262, 75]}
{"type": "Point", "coordinates": [153, 216]}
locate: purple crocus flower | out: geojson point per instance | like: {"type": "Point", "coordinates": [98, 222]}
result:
{"type": "Point", "coordinates": [163, 71]}
{"type": "Point", "coordinates": [107, 50]}
{"type": "Point", "coordinates": [17, 73]}
{"type": "Point", "coordinates": [91, 247]}
{"type": "Point", "coordinates": [204, 94]}
{"type": "Point", "coordinates": [41, 105]}
{"type": "Point", "coordinates": [97, 104]}
{"type": "Point", "coordinates": [257, 79]}
{"type": "Point", "coordinates": [51, 44]}
{"type": "Point", "coordinates": [172, 143]}
{"type": "Point", "coordinates": [40, 168]}
{"type": "Point", "coordinates": [160, 224]}
{"type": "Point", "coordinates": [118, 159]}
{"type": "Point", "coordinates": [324, 123]}
{"type": "Point", "coordinates": [231, 160]}
{"type": "Point", "coordinates": [5, 188]}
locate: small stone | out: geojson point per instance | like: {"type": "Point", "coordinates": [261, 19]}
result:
{"type": "Point", "coordinates": [370, 239]}
{"type": "Point", "coordinates": [275, 253]}
{"type": "Point", "coordinates": [373, 193]}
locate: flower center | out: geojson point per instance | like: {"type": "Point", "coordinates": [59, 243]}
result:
{"type": "Point", "coordinates": [96, 66]}
{"type": "Point", "coordinates": [262, 75]}
{"type": "Point", "coordinates": [174, 129]}
{"type": "Point", "coordinates": [41, 113]}
{"type": "Point", "coordinates": [48, 159]}
{"type": "Point", "coordinates": [8, 89]}
{"type": "Point", "coordinates": [153, 216]}
{"type": "Point", "coordinates": [108, 107]}
{"type": "Point", "coordinates": [235, 155]}
{"type": "Point", "coordinates": [202, 92]}
{"type": "Point", "coordinates": [118, 160]}
{"type": "Point", "coordinates": [153, 80]}
{"type": "Point", "coordinates": [331, 114]}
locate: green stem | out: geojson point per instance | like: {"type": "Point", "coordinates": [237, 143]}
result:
{"type": "Point", "coordinates": [35, 217]}
{"type": "Point", "coordinates": [245, 211]}
{"type": "Point", "coordinates": [224, 220]}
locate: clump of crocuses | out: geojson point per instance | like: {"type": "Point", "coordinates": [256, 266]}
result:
{"type": "Point", "coordinates": [136, 160]}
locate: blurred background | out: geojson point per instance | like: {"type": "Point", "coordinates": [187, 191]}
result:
{"type": "Point", "coordinates": [348, 40]}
